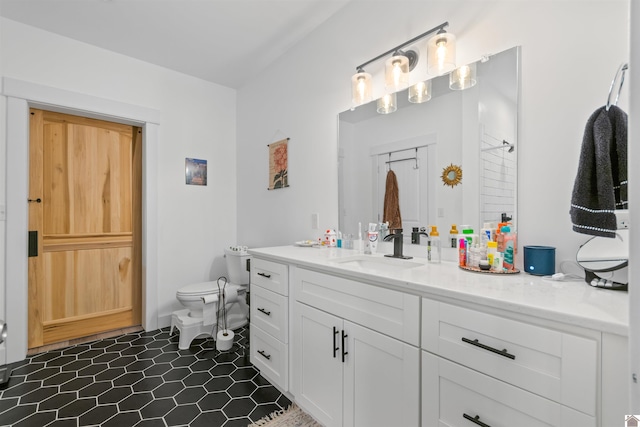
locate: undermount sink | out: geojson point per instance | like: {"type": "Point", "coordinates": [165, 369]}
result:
{"type": "Point", "coordinates": [378, 263]}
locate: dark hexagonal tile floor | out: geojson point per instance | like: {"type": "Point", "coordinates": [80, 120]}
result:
{"type": "Point", "coordinates": [139, 379]}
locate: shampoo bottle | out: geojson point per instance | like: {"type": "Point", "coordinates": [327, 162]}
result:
{"type": "Point", "coordinates": [435, 246]}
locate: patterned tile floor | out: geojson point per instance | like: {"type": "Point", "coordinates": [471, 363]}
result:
{"type": "Point", "coordinates": [139, 379]}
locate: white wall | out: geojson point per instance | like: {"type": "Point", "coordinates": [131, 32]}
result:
{"type": "Point", "coordinates": [2, 205]}
{"type": "Point", "coordinates": [567, 68]}
{"type": "Point", "coordinates": [197, 120]}
{"type": "Point", "coordinates": [634, 158]}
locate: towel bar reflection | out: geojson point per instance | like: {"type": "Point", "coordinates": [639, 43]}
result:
{"type": "Point", "coordinates": [388, 162]}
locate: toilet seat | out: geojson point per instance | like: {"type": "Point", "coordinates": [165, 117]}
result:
{"type": "Point", "coordinates": [196, 291]}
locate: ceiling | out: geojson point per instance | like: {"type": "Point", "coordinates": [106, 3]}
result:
{"type": "Point", "coordinates": [222, 41]}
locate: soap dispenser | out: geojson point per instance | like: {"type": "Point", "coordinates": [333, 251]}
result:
{"type": "Point", "coordinates": [434, 245]}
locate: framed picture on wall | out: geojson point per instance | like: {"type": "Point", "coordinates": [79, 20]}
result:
{"type": "Point", "coordinates": [195, 171]}
{"type": "Point", "coordinates": [279, 164]}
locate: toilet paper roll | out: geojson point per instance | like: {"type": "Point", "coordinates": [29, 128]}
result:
{"type": "Point", "coordinates": [208, 299]}
{"type": "Point", "coordinates": [230, 295]}
{"type": "Point", "coordinates": [224, 340]}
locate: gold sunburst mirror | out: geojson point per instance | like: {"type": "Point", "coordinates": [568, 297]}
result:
{"type": "Point", "coordinates": [452, 175]}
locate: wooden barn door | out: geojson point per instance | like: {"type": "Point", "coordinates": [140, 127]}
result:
{"type": "Point", "coordinates": [85, 227]}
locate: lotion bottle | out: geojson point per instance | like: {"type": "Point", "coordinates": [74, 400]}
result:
{"type": "Point", "coordinates": [509, 261]}
{"type": "Point", "coordinates": [453, 236]}
{"type": "Point", "coordinates": [486, 234]}
{"type": "Point", "coordinates": [462, 252]}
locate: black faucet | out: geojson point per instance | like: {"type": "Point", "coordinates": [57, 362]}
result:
{"type": "Point", "coordinates": [415, 235]}
{"type": "Point", "coordinates": [396, 236]}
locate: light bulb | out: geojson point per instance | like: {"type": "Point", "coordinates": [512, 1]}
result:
{"type": "Point", "coordinates": [361, 88]}
{"type": "Point", "coordinates": [397, 73]}
{"type": "Point", "coordinates": [387, 104]}
{"type": "Point", "coordinates": [420, 92]}
{"type": "Point", "coordinates": [441, 54]}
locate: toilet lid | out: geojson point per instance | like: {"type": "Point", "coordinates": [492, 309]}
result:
{"type": "Point", "coordinates": [204, 288]}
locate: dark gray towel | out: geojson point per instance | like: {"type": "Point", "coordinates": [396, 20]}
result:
{"type": "Point", "coordinates": [601, 183]}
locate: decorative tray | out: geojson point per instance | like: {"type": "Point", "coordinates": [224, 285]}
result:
{"type": "Point", "coordinates": [477, 270]}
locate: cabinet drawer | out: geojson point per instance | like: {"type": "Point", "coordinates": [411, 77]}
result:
{"type": "Point", "coordinates": [270, 312]}
{"type": "Point", "coordinates": [270, 357]}
{"type": "Point", "coordinates": [390, 312]}
{"type": "Point", "coordinates": [270, 275]}
{"type": "Point", "coordinates": [556, 365]}
{"type": "Point", "coordinates": [454, 396]}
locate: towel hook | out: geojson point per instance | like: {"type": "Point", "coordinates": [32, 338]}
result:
{"type": "Point", "coordinates": [621, 70]}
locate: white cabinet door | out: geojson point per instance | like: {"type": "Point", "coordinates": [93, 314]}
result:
{"type": "Point", "coordinates": [317, 364]}
{"type": "Point", "coordinates": [381, 380]}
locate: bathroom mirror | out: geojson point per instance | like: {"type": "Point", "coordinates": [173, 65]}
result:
{"type": "Point", "coordinates": [474, 129]}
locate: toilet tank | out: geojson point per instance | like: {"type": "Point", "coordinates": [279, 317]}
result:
{"type": "Point", "coordinates": [237, 266]}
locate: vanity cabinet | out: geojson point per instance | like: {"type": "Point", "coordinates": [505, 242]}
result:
{"type": "Point", "coordinates": [507, 372]}
{"type": "Point", "coordinates": [269, 330]}
{"type": "Point", "coordinates": [356, 349]}
{"type": "Point", "coordinates": [345, 371]}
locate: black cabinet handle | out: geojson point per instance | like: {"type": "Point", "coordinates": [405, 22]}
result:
{"type": "Point", "coordinates": [335, 349]}
{"type": "Point", "coordinates": [503, 353]}
{"type": "Point", "coordinates": [268, 276]}
{"type": "Point", "coordinates": [263, 354]}
{"type": "Point", "coordinates": [344, 353]}
{"type": "Point", "coordinates": [475, 420]}
{"type": "Point", "coordinates": [262, 310]}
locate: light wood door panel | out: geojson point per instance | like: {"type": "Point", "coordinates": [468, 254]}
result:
{"type": "Point", "coordinates": [86, 278]}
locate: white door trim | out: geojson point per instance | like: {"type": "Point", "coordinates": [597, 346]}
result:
{"type": "Point", "coordinates": [21, 96]}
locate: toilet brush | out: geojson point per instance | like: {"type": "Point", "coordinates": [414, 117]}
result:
{"type": "Point", "coordinates": [224, 337]}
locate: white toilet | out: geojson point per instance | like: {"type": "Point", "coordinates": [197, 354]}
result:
{"type": "Point", "coordinates": [199, 319]}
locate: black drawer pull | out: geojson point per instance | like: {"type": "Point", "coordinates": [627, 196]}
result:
{"type": "Point", "coordinates": [344, 353]}
{"type": "Point", "coordinates": [475, 420]}
{"type": "Point", "coordinates": [335, 349]}
{"type": "Point", "coordinates": [268, 276]}
{"type": "Point", "coordinates": [262, 310]}
{"type": "Point", "coordinates": [491, 349]}
{"type": "Point", "coordinates": [263, 354]}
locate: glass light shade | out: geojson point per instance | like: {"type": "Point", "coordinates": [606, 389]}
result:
{"type": "Point", "coordinates": [396, 73]}
{"type": "Point", "coordinates": [361, 88]}
{"type": "Point", "coordinates": [387, 104]}
{"type": "Point", "coordinates": [441, 54]}
{"type": "Point", "coordinates": [463, 77]}
{"type": "Point", "coordinates": [420, 92]}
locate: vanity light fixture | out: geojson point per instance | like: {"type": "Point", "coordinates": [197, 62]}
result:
{"type": "Point", "coordinates": [387, 104]}
{"type": "Point", "coordinates": [463, 77]}
{"type": "Point", "coordinates": [420, 92]}
{"type": "Point", "coordinates": [361, 88]}
{"type": "Point", "coordinates": [401, 62]}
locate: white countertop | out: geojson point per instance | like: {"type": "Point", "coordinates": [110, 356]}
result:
{"type": "Point", "coordinates": [569, 302]}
